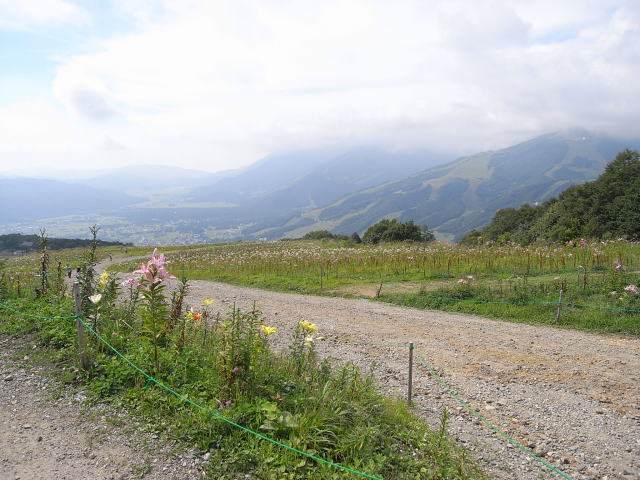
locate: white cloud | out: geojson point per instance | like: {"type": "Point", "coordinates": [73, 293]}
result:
{"type": "Point", "coordinates": [217, 84]}
{"type": "Point", "coordinates": [21, 15]}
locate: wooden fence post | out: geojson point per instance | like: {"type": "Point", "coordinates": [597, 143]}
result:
{"type": "Point", "coordinates": [410, 388]}
{"type": "Point", "coordinates": [559, 307]}
{"type": "Point", "coordinates": [82, 347]}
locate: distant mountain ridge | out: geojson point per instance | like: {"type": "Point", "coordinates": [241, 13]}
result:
{"type": "Point", "coordinates": [307, 179]}
{"type": "Point", "coordinates": [346, 173]}
{"type": "Point", "coordinates": [27, 199]}
{"type": "Point", "coordinates": [465, 194]}
{"type": "Point", "coordinates": [156, 204]}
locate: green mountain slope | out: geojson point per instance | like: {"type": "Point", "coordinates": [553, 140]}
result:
{"type": "Point", "coordinates": [465, 194]}
{"type": "Point", "coordinates": [287, 183]}
{"type": "Point", "coordinates": [346, 173]}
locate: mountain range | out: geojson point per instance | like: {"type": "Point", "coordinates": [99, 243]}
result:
{"type": "Point", "coordinates": [465, 194]}
{"type": "Point", "coordinates": [174, 205]}
{"type": "Point", "coordinates": [290, 194]}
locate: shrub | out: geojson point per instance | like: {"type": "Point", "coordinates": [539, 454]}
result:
{"type": "Point", "coordinates": [394, 231]}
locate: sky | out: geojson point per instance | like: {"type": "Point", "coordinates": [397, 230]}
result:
{"type": "Point", "coordinates": [214, 85]}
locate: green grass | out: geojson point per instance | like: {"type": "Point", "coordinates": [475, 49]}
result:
{"type": "Point", "coordinates": [592, 319]}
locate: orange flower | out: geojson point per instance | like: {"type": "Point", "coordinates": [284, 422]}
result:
{"type": "Point", "coordinates": [196, 316]}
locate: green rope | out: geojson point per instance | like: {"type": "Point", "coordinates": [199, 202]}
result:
{"type": "Point", "coordinates": [371, 344]}
{"type": "Point", "coordinates": [7, 307]}
{"type": "Point", "coordinates": [601, 307]}
{"type": "Point", "coordinates": [486, 422]}
{"type": "Point", "coordinates": [217, 415]}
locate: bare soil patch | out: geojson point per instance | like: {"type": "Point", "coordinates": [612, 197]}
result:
{"type": "Point", "coordinates": [371, 289]}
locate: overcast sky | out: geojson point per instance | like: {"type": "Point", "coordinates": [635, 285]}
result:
{"type": "Point", "coordinates": [218, 84]}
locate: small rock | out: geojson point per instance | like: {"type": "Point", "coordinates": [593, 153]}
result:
{"type": "Point", "coordinates": [39, 438]}
{"type": "Point", "coordinates": [207, 457]}
{"type": "Point", "coordinates": [26, 426]}
{"type": "Point", "coordinates": [8, 378]}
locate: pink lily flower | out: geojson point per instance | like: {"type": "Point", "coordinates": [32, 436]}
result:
{"type": "Point", "coordinates": [154, 271]}
{"type": "Point", "coordinates": [162, 273]}
{"type": "Point", "coordinates": [146, 271]}
{"type": "Point", "coordinates": [157, 259]}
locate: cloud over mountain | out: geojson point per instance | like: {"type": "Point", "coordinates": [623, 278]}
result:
{"type": "Point", "coordinates": [220, 84]}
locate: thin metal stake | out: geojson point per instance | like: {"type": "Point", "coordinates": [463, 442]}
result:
{"type": "Point", "coordinates": [559, 307]}
{"type": "Point", "coordinates": [82, 347]}
{"type": "Point", "coordinates": [410, 389]}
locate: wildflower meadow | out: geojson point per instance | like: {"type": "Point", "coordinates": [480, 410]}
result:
{"type": "Point", "coordinates": [593, 283]}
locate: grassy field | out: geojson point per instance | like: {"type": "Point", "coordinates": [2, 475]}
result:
{"type": "Point", "coordinates": [508, 282]}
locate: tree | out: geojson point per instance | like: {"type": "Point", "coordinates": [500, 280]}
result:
{"type": "Point", "coordinates": [427, 234]}
{"type": "Point", "coordinates": [318, 235]}
{"type": "Point", "coordinates": [355, 238]}
{"type": "Point", "coordinates": [394, 231]}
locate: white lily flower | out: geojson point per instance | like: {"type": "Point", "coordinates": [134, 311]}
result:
{"type": "Point", "coordinates": [95, 298]}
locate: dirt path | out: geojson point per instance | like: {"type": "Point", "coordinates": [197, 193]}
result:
{"type": "Point", "coordinates": [571, 397]}
{"type": "Point", "coordinates": [47, 432]}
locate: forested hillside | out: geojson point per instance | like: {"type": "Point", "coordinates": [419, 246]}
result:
{"type": "Point", "coordinates": [607, 207]}
{"type": "Point", "coordinates": [27, 243]}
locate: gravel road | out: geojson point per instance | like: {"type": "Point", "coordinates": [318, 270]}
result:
{"type": "Point", "coordinates": [571, 397]}
{"type": "Point", "coordinates": [48, 432]}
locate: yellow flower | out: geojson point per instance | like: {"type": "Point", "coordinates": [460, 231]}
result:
{"type": "Point", "coordinates": [207, 302]}
{"type": "Point", "coordinates": [308, 326]}
{"type": "Point", "coordinates": [104, 278]}
{"type": "Point", "coordinates": [189, 314]}
{"type": "Point", "coordinates": [267, 330]}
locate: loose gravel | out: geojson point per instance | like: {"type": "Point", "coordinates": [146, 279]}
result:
{"type": "Point", "coordinates": [48, 431]}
